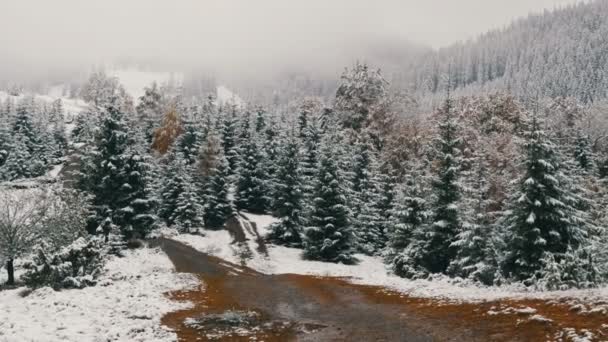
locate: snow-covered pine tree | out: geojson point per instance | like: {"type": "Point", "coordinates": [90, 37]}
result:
{"type": "Point", "coordinates": [359, 91]}
{"type": "Point", "coordinates": [229, 137]}
{"type": "Point", "coordinates": [149, 110]}
{"type": "Point", "coordinates": [190, 141]}
{"type": "Point", "coordinates": [328, 236]}
{"type": "Point", "coordinates": [476, 258]}
{"type": "Point", "coordinates": [365, 197]}
{"type": "Point", "coordinates": [24, 125]}
{"type": "Point", "coordinates": [19, 162]}
{"type": "Point", "coordinates": [188, 213]}
{"type": "Point", "coordinates": [407, 223]}
{"type": "Point", "coordinates": [57, 128]}
{"type": "Point", "coordinates": [171, 187]}
{"type": "Point", "coordinates": [218, 205]}
{"type": "Point", "coordinates": [139, 205]}
{"type": "Point", "coordinates": [543, 219]}
{"type": "Point", "coordinates": [102, 172]}
{"type": "Point", "coordinates": [251, 185]}
{"type": "Point", "coordinates": [583, 153]}
{"type": "Point", "coordinates": [445, 223]}
{"type": "Point", "coordinates": [288, 197]}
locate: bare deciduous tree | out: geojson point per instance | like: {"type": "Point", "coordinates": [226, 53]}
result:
{"type": "Point", "coordinates": [21, 215]}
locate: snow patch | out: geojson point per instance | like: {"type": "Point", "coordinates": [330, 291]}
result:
{"type": "Point", "coordinates": [127, 305]}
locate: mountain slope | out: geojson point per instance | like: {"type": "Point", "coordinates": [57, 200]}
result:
{"type": "Point", "coordinates": [556, 53]}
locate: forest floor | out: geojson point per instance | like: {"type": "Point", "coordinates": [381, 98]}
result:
{"type": "Point", "coordinates": [240, 303]}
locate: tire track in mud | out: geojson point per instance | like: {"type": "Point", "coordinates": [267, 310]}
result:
{"type": "Point", "coordinates": [307, 308]}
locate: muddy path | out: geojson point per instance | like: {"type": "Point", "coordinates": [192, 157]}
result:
{"type": "Point", "coordinates": [240, 304]}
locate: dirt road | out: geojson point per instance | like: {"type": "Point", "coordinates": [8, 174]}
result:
{"type": "Point", "coordinates": [240, 304]}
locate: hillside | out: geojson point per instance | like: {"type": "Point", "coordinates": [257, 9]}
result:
{"type": "Point", "coordinates": [556, 53]}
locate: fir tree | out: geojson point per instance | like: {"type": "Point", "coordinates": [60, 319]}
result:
{"type": "Point", "coordinates": [218, 206]}
{"type": "Point", "coordinates": [476, 258]}
{"type": "Point", "coordinates": [138, 207]}
{"type": "Point", "coordinates": [582, 153]}
{"type": "Point", "coordinates": [188, 213]}
{"type": "Point", "coordinates": [288, 197]}
{"type": "Point", "coordinates": [149, 110]}
{"type": "Point", "coordinates": [229, 143]}
{"type": "Point", "coordinates": [104, 173]}
{"type": "Point", "coordinates": [328, 236]}
{"type": "Point", "coordinates": [543, 219]}
{"type": "Point", "coordinates": [172, 186]}
{"type": "Point", "coordinates": [251, 185]}
{"type": "Point", "coordinates": [439, 250]}
{"type": "Point", "coordinates": [407, 222]}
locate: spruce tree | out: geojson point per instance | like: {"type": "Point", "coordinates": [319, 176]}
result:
{"type": "Point", "coordinates": [476, 257]}
{"type": "Point", "coordinates": [172, 186]}
{"type": "Point", "coordinates": [288, 197]}
{"type": "Point", "coordinates": [439, 250]}
{"type": "Point", "coordinates": [582, 153]}
{"type": "Point", "coordinates": [407, 223]}
{"type": "Point", "coordinates": [104, 171]}
{"type": "Point", "coordinates": [138, 207]}
{"type": "Point", "coordinates": [188, 213]}
{"type": "Point", "coordinates": [328, 236]}
{"type": "Point", "coordinates": [542, 219]}
{"type": "Point", "coordinates": [218, 205]}
{"type": "Point", "coordinates": [229, 138]}
{"type": "Point", "coordinates": [149, 111]}
{"type": "Point", "coordinates": [251, 186]}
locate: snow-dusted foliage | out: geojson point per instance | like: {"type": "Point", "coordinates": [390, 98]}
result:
{"type": "Point", "coordinates": [329, 236]}
{"type": "Point", "coordinates": [288, 197]}
{"type": "Point", "coordinates": [544, 221]}
{"type": "Point", "coordinates": [557, 53]}
{"type": "Point", "coordinates": [74, 266]}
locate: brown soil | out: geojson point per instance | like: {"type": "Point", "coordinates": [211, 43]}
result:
{"type": "Point", "coordinates": [307, 308]}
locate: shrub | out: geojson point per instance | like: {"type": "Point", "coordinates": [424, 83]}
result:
{"type": "Point", "coordinates": [74, 266]}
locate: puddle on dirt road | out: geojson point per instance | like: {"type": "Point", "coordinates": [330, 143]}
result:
{"type": "Point", "coordinates": [216, 316]}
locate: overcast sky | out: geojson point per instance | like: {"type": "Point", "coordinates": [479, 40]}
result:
{"type": "Point", "coordinates": [236, 32]}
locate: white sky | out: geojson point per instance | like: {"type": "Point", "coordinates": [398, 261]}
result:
{"type": "Point", "coordinates": [237, 32]}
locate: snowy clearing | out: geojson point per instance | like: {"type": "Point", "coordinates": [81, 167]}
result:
{"type": "Point", "coordinates": [373, 271]}
{"type": "Point", "coordinates": [126, 305]}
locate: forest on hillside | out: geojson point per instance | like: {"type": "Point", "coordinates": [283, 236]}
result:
{"type": "Point", "coordinates": [483, 188]}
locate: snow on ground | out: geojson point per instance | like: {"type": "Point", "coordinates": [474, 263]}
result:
{"type": "Point", "coordinates": [371, 271]}
{"type": "Point", "coordinates": [126, 305]}
{"type": "Point", "coordinates": [135, 80]}
{"type": "Point", "coordinates": [70, 106]}
{"type": "Point", "coordinates": [226, 96]}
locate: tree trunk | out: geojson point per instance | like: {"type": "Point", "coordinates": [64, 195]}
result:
{"type": "Point", "coordinates": [10, 269]}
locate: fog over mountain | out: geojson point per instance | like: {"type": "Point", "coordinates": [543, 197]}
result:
{"type": "Point", "coordinates": [236, 38]}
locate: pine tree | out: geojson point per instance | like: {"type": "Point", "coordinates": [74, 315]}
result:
{"type": "Point", "coordinates": [149, 110]}
{"type": "Point", "coordinates": [543, 220]}
{"type": "Point", "coordinates": [138, 207]}
{"type": "Point", "coordinates": [288, 197]}
{"type": "Point", "coordinates": [251, 185]}
{"type": "Point", "coordinates": [328, 236]}
{"type": "Point", "coordinates": [229, 138]}
{"type": "Point", "coordinates": [476, 258]}
{"type": "Point", "coordinates": [103, 172]}
{"type": "Point", "coordinates": [407, 221]}
{"type": "Point", "coordinates": [19, 162]}
{"type": "Point", "coordinates": [582, 153]}
{"type": "Point", "coordinates": [439, 250]}
{"type": "Point", "coordinates": [172, 186]}
{"type": "Point", "coordinates": [189, 142]}
{"type": "Point", "coordinates": [188, 213]}
{"type": "Point", "coordinates": [218, 206]}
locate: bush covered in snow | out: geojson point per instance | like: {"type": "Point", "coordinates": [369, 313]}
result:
{"type": "Point", "coordinates": [74, 266]}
